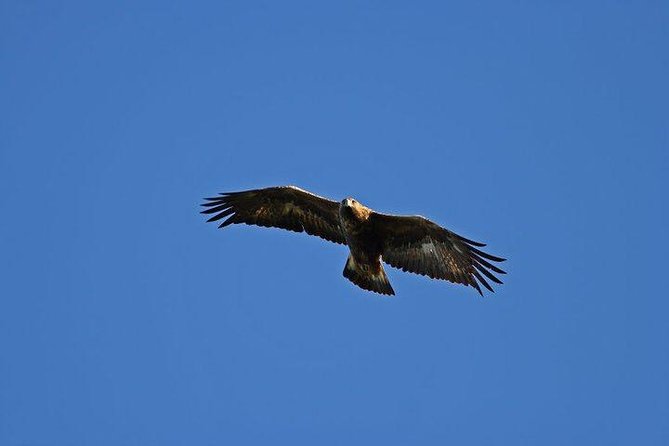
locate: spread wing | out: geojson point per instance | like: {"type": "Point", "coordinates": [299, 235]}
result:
{"type": "Point", "coordinates": [286, 207]}
{"type": "Point", "coordinates": [417, 245]}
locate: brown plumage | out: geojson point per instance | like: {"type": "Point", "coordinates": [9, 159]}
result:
{"type": "Point", "coordinates": [410, 243]}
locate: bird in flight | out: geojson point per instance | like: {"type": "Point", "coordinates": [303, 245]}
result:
{"type": "Point", "coordinates": [410, 243]}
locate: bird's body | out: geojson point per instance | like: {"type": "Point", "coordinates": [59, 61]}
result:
{"type": "Point", "coordinates": [410, 243]}
{"type": "Point", "coordinates": [363, 266]}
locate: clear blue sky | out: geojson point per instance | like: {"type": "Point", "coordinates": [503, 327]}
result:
{"type": "Point", "coordinates": [540, 128]}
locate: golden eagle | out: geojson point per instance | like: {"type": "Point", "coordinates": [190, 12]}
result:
{"type": "Point", "coordinates": [410, 243]}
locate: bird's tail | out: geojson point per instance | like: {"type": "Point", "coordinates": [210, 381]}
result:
{"type": "Point", "coordinates": [368, 276]}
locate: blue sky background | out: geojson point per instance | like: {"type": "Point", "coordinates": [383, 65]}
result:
{"type": "Point", "coordinates": [540, 128]}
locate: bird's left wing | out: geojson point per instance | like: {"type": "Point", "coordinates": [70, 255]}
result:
{"type": "Point", "coordinates": [286, 207]}
{"type": "Point", "coordinates": [418, 245]}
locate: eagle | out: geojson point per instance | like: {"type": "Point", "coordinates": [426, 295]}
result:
{"type": "Point", "coordinates": [410, 243]}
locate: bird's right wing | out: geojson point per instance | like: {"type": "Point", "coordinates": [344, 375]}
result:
{"type": "Point", "coordinates": [285, 207]}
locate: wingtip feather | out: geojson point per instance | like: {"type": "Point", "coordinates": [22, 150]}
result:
{"type": "Point", "coordinates": [230, 220]}
{"type": "Point", "coordinates": [470, 242]}
{"type": "Point", "coordinates": [483, 281]}
{"type": "Point", "coordinates": [487, 256]}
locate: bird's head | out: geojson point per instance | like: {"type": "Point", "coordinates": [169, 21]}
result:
{"type": "Point", "coordinates": [348, 202]}
{"type": "Point", "coordinates": [350, 208]}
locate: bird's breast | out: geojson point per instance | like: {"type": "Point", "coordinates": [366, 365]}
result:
{"type": "Point", "coordinates": [360, 236]}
